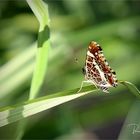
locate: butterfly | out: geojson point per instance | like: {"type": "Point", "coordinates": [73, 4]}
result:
{"type": "Point", "coordinates": [97, 70]}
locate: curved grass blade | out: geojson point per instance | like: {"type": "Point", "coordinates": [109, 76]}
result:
{"type": "Point", "coordinates": [40, 10]}
{"type": "Point", "coordinates": [131, 127]}
{"type": "Point", "coordinates": [133, 89]}
{"type": "Point", "coordinates": [15, 72]}
{"type": "Point", "coordinates": [8, 69]}
{"type": "Point", "coordinates": [15, 113]}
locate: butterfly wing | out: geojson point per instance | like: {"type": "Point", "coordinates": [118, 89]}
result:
{"type": "Point", "coordinates": [97, 70]}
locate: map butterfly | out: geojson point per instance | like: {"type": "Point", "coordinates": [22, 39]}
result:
{"type": "Point", "coordinates": [97, 70]}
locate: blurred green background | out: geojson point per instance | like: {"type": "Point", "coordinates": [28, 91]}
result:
{"type": "Point", "coordinates": [115, 25]}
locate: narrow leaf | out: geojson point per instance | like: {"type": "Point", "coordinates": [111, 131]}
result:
{"type": "Point", "coordinates": [133, 89]}
{"type": "Point", "coordinates": [40, 10]}
{"type": "Point", "coordinates": [131, 127]}
{"type": "Point", "coordinates": [26, 109]}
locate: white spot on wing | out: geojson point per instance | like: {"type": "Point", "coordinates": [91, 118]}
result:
{"type": "Point", "coordinates": [90, 54]}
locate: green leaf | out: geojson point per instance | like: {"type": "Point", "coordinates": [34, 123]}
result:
{"type": "Point", "coordinates": [16, 71]}
{"type": "Point", "coordinates": [130, 130]}
{"type": "Point", "coordinates": [34, 106]}
{"type": "Point", "coordinates": [40, 10]}
{"type": "Point", "coordinates": [131, 127]}
{"type": "Point", "coordinates": [133, 89]}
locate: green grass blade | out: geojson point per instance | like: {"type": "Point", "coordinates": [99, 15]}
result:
{"type": "Point", "coordinates": [41, 12]}
{"type": "Point", "coordinates": [131, 127]}
{"type": "Point", "coordinates": [16, 71]}
{"type": "Point", "coordinates": [133, 89]}
{"type": "Point", "coordinates": [18, 112]}
{"type": "Point", "coordinates": [17, 62]}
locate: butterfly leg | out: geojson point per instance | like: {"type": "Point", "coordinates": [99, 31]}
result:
{"type": "Point", "coordinates": [104, 89]}
{"type": "Point", "coordinates": [82, 85]}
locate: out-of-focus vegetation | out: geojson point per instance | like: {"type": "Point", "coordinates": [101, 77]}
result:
{"type": "Point", "coordinates": [74, 23]}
